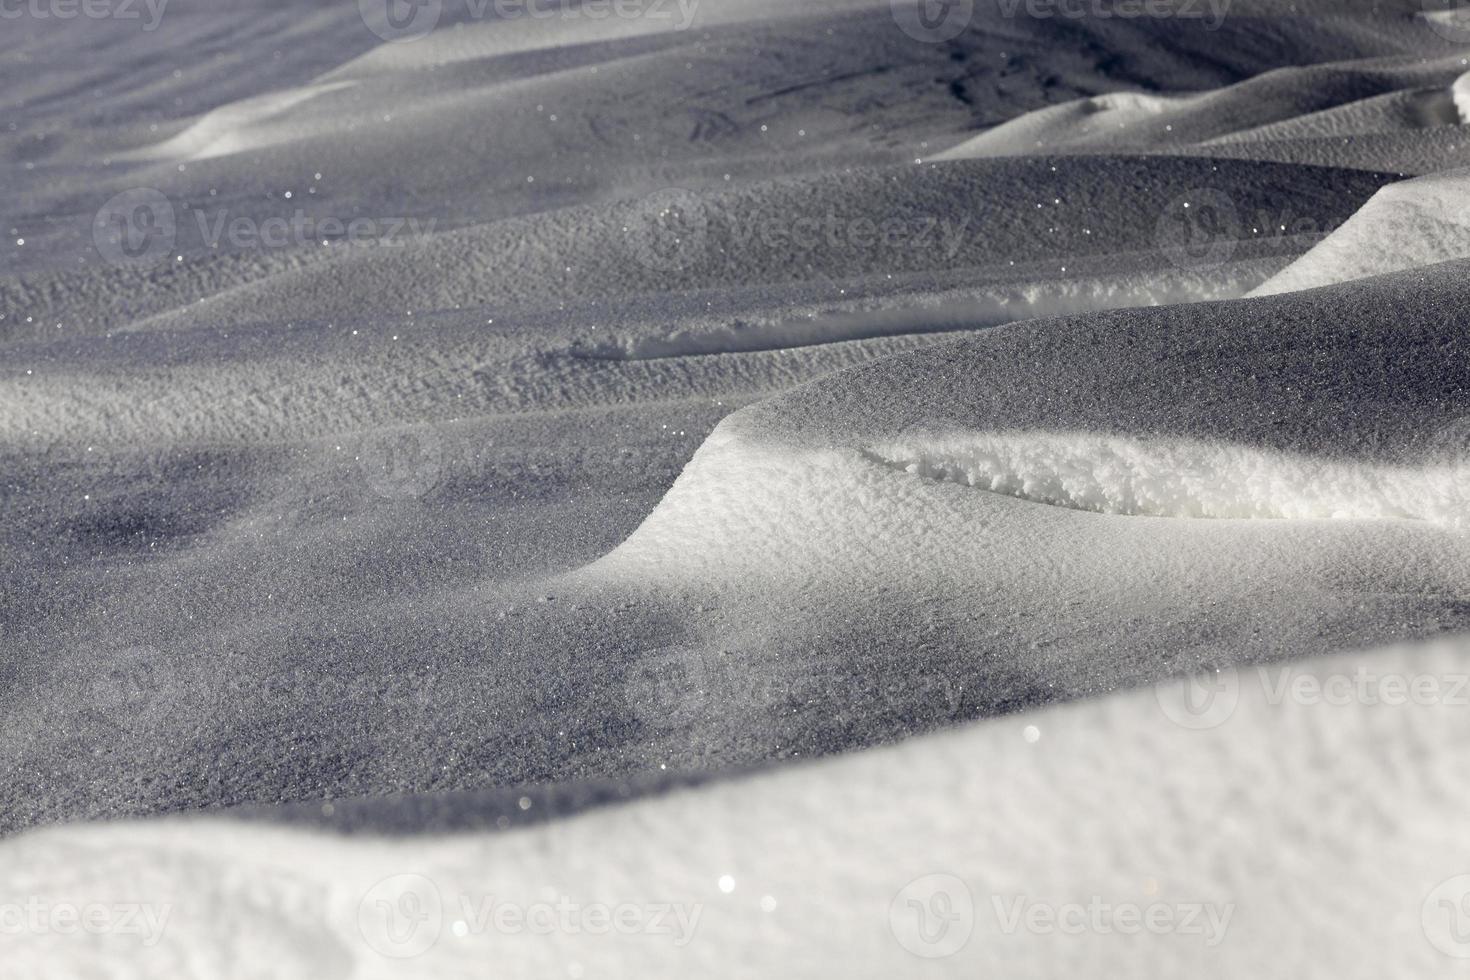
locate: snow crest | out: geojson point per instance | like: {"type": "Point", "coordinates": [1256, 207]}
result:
{"type": "Point", "coordinates": [1167, 478]}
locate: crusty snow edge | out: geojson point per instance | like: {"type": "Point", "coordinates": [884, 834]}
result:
{"type": "Point", "coordinates": [1183, 477]}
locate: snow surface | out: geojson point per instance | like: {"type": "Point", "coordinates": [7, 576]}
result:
{"type": "Point", "coordinates": [1416, 223]}
{"type": "Point", "coordinates": [569, 509]}
{"type": "Point", "coordinates": [1286, 826]}
{"type": "Point", "coordinates": [1110, 475]}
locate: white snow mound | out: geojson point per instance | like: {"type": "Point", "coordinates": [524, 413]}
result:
{"type": "Point", "coordinates": [1223, 812]}
{"type": "Point", "coordinates": [1419, 222]}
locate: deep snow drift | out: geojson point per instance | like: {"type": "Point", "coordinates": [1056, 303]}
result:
{"type": "Point", "coordinates": [1416, 223]}
{"type": "Point", "coordinates": [735, 455]}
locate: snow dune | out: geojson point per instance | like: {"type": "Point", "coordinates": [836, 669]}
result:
{"type": "Point", "coordinates": [1306, 406]}
{"type": "Point", "coordinates": [240, 127]}
{"type": "Point", "coordinates": [751, 394]}
{"type": "Point", "coordinates": [994, 233]}
{"type": "Point", "coordinates": [1416, 223]}
{"type": "Point", "coordinates": [1229, 817]}
{"type": "Point", "coordinates": [1384, 96]}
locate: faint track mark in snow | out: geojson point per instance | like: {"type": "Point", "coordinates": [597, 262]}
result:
{"type": "Point", "coordinates": [993, 308]}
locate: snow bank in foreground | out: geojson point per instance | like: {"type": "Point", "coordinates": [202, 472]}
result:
{"type": "Point", "coordinates": [1294, 821]}
{"type": "Point", "coordinates": [1113, 475]}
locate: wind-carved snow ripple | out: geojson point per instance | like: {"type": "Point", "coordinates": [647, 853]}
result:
{"type": "Point", "coordinates": [1183, 478]}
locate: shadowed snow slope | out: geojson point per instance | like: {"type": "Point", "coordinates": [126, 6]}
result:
{"type": "Point", "coordinates": [1157, 807]}
{"type": "Point", "coordinates": [859, 231]}
{"type": "Point", "coordinates": [1379, 96]}
{"type": "Point", "coordinates": [490, 118]}
{"type": "Point", "coordinates": [1396, 104]}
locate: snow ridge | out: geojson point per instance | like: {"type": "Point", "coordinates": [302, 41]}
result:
{"type": "Point", "coordinates": [1182, 478]}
